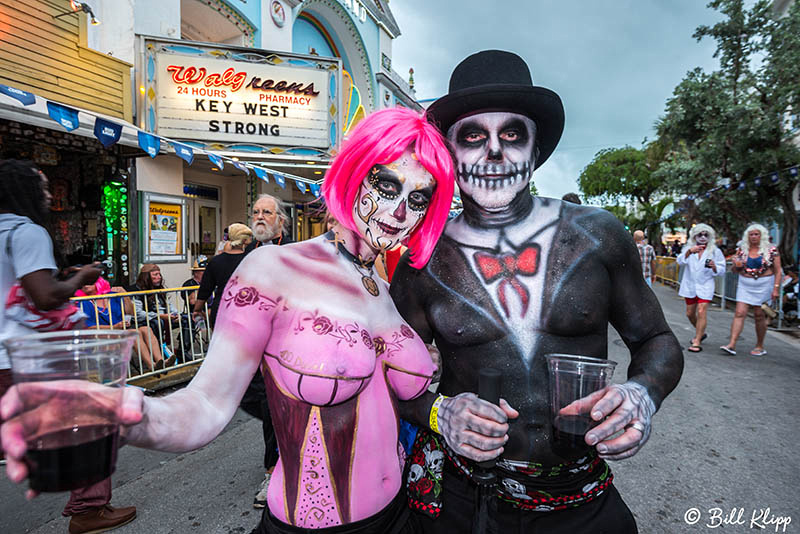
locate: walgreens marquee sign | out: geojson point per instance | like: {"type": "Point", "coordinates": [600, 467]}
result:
{"type": "Point", "coordinates": [227, 101]}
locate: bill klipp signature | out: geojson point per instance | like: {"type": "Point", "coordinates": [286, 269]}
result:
{"type": "Point", "coordinates": [757, 518]}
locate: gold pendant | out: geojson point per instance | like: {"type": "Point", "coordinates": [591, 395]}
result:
{"type": "Point", "coordinates": [370, 285]}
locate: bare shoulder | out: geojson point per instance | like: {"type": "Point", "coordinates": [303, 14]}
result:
{"type": "Point", "coordinates": [276, 266]}
{"type": "Point", "coordinates": [615, 242]}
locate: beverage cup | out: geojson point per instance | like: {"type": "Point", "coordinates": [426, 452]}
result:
{"type": "Point", "coordinates": [70, 388]}
{"type": "Point", "coordinates": [573, 378]}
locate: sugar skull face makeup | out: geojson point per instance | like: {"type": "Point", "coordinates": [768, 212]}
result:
{"type": "Point", "coordinates": [494, 156]}
{"type": "Point", "coordinates": [392, 200]}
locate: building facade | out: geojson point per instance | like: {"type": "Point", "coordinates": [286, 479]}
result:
{"type": "Point", "coordinates": [238, 85]}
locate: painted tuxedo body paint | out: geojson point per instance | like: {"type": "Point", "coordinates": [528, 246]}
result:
{"type": "Point", "coordinates": [517, 277]}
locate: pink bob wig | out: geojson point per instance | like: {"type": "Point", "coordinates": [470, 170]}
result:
{"type": "Point", "coordinates": [102, 286]}
{"type": "Point", "coordinates": [379, 139]}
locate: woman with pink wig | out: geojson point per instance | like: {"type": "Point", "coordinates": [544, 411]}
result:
{"type": "Point", "coordinates": [335, 354]}
{"type": "Point", "coordinates": [117, 312]}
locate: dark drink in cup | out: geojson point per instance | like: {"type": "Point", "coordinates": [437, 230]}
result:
{"type": "Point", "coordinates": [70, 386]}
{"type": "Point", "coordinates": [573, 381]}
{"type": "Point", "coordinates": [569, 435]}
{"type": "Point", "coordinates": [72, 458]}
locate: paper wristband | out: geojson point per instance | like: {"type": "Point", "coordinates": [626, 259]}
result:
{"type": "Point", "coordinates": [433, 419]}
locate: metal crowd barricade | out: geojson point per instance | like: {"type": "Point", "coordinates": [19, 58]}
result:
{"type": "Point", "coordinates": [137, 316]}
{"type": "Point", "coordinates": [667, 270]}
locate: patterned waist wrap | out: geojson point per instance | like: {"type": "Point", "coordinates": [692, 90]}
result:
{"type": "Point", "coordinates": [524, 485]}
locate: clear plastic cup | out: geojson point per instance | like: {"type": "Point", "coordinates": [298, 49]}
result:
{"type": "Point", "coordinates": [573, 378]}
{"type": "Point", "coordinates": [70, 386]}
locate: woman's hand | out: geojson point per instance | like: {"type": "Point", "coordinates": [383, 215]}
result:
{"type": "Point", "coordinates": [52, 398]}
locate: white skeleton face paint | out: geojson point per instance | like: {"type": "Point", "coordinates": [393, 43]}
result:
{"type": "Point", "coordinates": [392, 201]}
{"type": "Point", "coordinates": [494, 156]}
{"type": "Point", "coordinates": [701, 238]}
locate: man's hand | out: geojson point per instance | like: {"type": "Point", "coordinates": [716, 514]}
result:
{"type": "Point", "coordinates": [627, 407]}
{"type": "Point", "coordinates": [88, 274]}
{"type": "Point", "coordinates": [17, 424]}
{"type": "Point", "coordinates": [473, 427]}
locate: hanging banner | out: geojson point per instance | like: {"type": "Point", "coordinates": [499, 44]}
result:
{"type": "Point", "coordinates": [261, 173]}
{"type": "Point", "coordinates": [149, 143]}
{"type": "Point", "coordinates": [216, 160]}
{"type": "Point", "coordinates": [287, 103]}
{"type": "Point", "coordinates": [242, 167]}
{"type": "Point", "coordinates": [24, 97]}
{"type": "Point", "coordinates": [184, 152]}
{"type": "Point", "coordinates": [301, 186]}
{"type": "Point", "coordinates": [281, 181]}
{"type": "Point", "coordinates": [314, 189]}
{"type": "Point", "coordinates": [107, 132]}
{"type": "Point", "coordinates": [66, 117]}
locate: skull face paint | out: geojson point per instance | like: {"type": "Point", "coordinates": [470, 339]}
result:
{"type": "Point", "coordinates": [495, 156]}
{"type": "Point", "coordinates": [702, 238]}
{"type": "Point", "coordinates": [392, 201]}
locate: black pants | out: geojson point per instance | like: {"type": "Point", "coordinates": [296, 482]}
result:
{"type": "Point", "coordinates": [607, 514]}
{"type": "Point", "coordinates": [254, 402]}
{"type": "Point", "coordinates": [395, 518]}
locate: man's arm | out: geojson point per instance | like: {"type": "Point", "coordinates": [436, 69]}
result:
{"type": "Point", "coordinates": [471, 427]}
{"type": "Point", "coordinates": [656, 356]}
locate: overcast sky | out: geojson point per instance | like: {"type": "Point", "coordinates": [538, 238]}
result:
{"type": "Point", "coordinates": [613, 62]}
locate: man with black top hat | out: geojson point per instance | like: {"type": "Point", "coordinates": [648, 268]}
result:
{"type": "Point", "coordinates": [513, 278]}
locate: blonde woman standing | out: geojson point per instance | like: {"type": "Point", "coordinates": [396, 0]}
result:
{"type": "Point", "coordinates": [759, 267]}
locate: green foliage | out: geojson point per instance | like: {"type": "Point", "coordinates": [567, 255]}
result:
{"type": "Point", "coordinates": [619, 174]}
{"type": "Point", "coordinates": [726, 127]}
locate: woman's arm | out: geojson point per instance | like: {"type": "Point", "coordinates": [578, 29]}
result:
{"type": "Point", "coordinates": [776, 266]}
{"type": "Point", "coordinates": [192, 417]}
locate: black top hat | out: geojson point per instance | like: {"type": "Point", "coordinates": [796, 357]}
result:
{"type": "Point", "coordinates": [500, 81]}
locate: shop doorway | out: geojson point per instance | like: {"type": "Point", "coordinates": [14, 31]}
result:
{"type": "Point", "coordinates": [205, 230]}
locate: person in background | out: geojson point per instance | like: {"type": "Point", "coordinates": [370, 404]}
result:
{"type": "Point", "coordinates": [190, 297]}
{"type": "Point", "coordinates": [571, 197]}
{"type": "Point", "coordinates": [676, 248]}
{"type": "Point", "coordinates": [647, 256]}
{"type": "Point", "coordinates": [155, 309]}
{"type": "Point", "coordinates": [219, 270]}
{"type": "Point", "coordinates": [268, 223]}
{"type": "Point", "coordinates": [116, 313]}
{"type": "Point", "coordinates": [704, 261]}
{"type": "Point", "coordinates": [28, 258]}
{"type": "Point", "coordinates": [223, 245]}
{"type": "Point", "coordinates": [759, 267]}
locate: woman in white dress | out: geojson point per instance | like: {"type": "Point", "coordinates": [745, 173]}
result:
{"type": "Point", "coordinates": [759, 266]}
{"type": "Point", "coordinates": [703, 261]}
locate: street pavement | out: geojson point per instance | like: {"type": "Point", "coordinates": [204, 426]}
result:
{"type": "Point", "coordinates": [723, 450]}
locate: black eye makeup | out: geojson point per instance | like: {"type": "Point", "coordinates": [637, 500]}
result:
{"type": "Point", "coordinates": [470, 135]}
{"type": "Point", "coordinates": [385, 182]}
{"type": "Point", "coordinates": [419, 200]}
